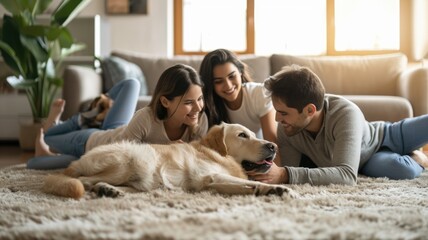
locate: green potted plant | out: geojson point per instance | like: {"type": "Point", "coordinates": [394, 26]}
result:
{"type": "Point", "coordinates": [35, 51]}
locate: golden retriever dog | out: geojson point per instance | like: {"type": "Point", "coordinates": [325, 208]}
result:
{"type": "Point", "coordinates": [217, 163]}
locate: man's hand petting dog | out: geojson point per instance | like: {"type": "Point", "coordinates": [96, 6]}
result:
{"type": "Point", "coordinates": [275, 175]}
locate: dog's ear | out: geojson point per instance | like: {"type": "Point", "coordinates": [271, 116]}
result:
{"type": "Point", "coordinates": [215, 139]}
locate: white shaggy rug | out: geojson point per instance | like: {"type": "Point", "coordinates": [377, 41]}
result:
{"type": "Point", "coordinates": [374, 209]}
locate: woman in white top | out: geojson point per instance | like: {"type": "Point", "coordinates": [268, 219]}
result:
{"type": "Point", "coordinates": [175, 113]}
{"type": "Point", "coordinates": [231, 96]}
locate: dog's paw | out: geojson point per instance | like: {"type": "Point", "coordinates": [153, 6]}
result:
{"type": "Point", "coordinates": [106, 190]}
{"type": "Point", "coordinates": [278, 190]}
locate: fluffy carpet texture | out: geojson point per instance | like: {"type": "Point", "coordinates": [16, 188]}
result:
{"type": "Point", "coordinates": [374, 209]}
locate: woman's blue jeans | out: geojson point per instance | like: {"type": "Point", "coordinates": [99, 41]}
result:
{"type": "Point", "coordinates": [69, 139]}
{"type": "Point", "coordinates": [393, 158]}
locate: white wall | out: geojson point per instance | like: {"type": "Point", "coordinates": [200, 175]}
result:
{"type": "Point", "coordinates": [149, 33]}
{"type": "Point", "coordinates": [140, 33]}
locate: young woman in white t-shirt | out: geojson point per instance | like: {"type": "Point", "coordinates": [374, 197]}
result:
{"type": "Point", "coordinates": [231, 96]}
{"type": "Point", "coordinates": [175, 113]}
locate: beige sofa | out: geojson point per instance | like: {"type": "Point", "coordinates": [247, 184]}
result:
{"type": "Point", "coordinates": [383, 86]}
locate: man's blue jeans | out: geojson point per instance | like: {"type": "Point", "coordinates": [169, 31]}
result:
{"type": "Point", "coordinates": [400, 139]}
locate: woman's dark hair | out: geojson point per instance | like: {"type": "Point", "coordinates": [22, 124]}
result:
{"type": "Point", "coordinates": [174, 81]}
{"type": "Point", "coordinates": [215, 107]}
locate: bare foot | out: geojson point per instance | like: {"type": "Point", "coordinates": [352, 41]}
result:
{"type": "Point", "coordinates": [54, 113]}
{"type": "Point", "coordinates": [42, 149]}
{"type": "Point", "coordinates": [420, 158]}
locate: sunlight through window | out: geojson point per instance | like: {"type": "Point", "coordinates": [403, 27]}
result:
{"type": "Point", "coordinates": [290, 26]}
{"type": "Point", "coordinates": [208, 25]}
{"type": "Point", "coordinates": [367, 25]}
{"type": "Point", "coordinates": [295, 27]}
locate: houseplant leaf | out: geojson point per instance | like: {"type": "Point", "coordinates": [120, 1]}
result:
{"type": "Point", "coordinates": [19, 82]}
{"type": "Point", "coordinates": [50, 32]}
{"type": "Point", "coordinates": [40, 6]}
{"type": "Point", "coordinates": [13, 60]}
{"type": "Point", "coordinates": [65, 39]}
{"type": "Point", "coordinates": [12, 51]}
{"type": "Point", "coordinates": [34, 51]}
{"type": "Point", "coordinates": [36, 46]}
{"type": "Point", "coordinates": [35, 6]}
{"type": "Point", "coordinates": [74, 48]}
{"type": "Point", "coordinates": [68, 10]}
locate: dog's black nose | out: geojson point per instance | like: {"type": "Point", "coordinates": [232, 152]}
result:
{"type": "Point", "coordinates": [271, 147]}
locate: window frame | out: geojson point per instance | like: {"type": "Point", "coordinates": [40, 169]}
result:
{"type": "Point", "coordinates": [405, 31]}
{"type": "Point", "coordinates": [178, 30]}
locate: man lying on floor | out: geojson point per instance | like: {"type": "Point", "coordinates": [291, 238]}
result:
{"type": "Point", "coordinates": [334, 134]}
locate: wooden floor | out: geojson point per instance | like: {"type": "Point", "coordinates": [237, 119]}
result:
{"type": "Point", "coordinates": [11, 153]}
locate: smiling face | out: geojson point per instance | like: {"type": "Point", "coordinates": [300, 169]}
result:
{"type": "Point", "coordinates": [228, 83]}
{"type": "Point", "coordinates": [185, 109]}
{"type": "Point", "coordinates": [290, 119]}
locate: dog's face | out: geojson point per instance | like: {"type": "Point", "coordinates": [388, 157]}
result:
{"type": "Point", "coordinates": [242, 144]}
{"type": "Point", "coordinates": [103, 104]}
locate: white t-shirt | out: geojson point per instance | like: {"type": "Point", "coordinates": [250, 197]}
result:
{"type": "Point", "coordinates": [146, 128]}
{"type": "Point", "coordinates": [255, 104]}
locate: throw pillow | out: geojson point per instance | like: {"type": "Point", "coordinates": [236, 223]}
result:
{"type": "Point", "coordinates": [116, 69]}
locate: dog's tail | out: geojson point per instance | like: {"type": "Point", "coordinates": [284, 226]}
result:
{"type": "Point", "coordinates": [62, 185]}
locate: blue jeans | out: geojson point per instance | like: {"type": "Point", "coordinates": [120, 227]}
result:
{"type": "Point", "coordinates": [69, 139]}
{"type": "Point", "coordinates": [400, 139]}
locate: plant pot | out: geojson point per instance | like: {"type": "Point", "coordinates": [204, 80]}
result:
{"type": "Point", "coordinates": [27, 135]}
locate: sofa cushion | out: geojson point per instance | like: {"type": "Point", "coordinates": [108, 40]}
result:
{"type": "Point", "coordinates": [385, 108]}
{"type": "Point", "coordinates": [353, 75]}
{"type": "Point", "coordinates": [153, 66]}
{"type": "Point", "coordinates": [116, 69]}
{"type": "Point", "coordinates": [259, 66]}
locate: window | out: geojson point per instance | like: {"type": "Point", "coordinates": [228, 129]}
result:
{"type": "Point", "coordinates": [290, 26]}
{"type": "Point", "coordinates": [298, 27]}
{"type": "Point", "coordinates": [208, 24]}
{"type": "Point", "coordinates": [204, 25]}
{"type": "Point", "coordinates": [367, 25]}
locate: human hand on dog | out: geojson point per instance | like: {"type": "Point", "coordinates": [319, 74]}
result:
{"type": "Point", "coordinates": [275, 175]}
